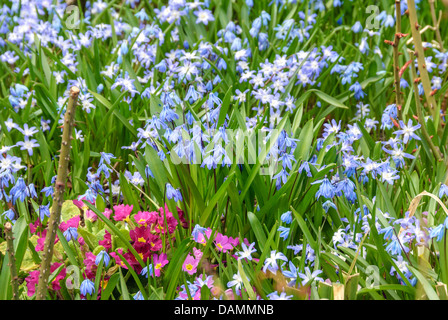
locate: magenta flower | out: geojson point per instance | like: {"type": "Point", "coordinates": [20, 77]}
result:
{"type": "Point", "coordinates": [170, 220]}
{"type": "Point", "coordinates": [197, 253]}
{"type": "Point", "coordinates": [91, 215]}
{"type": "Point", "coordinates": [33, 279]}
{"type": "Point", "coordinates": [107, 241]}
{"type": "Point", "coordinates": [143, 218]}
{"type": "Point", "coordinates": [222, 243]}
{"type": "Point", "coordinates": [190, 265]}
{"type": "Point", "coordinates": [234, 241]}
{"type": "Point", "coordinates": [71, 223]}
{"type": "Point", "coordinates": [159, 263]}
{"type": "Point", "coordinates": [107, 212]}
{"type": "Point", "coordinates": [202, 237]}
{"type": "Point", "coordinates": [122, 212]}
{"type": "Point", "coordinates": [80, 204]}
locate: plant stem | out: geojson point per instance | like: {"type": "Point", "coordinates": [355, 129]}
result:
{"type": "Point", "coordinates": [421, 118]}
{"type": "Point", "coordinates": [436, 24]}
{"type": "Point", "coordinates": [421, 59]}
{"type": "Point", "coordinates": [396, 55]}
{"type": "Point", "coordinates": [12, 261]}
{"type": "Point", "coordinates": [55, 216]}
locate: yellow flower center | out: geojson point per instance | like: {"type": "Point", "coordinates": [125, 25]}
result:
{"type": "Point", "coordinates": [189, 267]}
{"type": "Point", "coordinates": [141, 239]}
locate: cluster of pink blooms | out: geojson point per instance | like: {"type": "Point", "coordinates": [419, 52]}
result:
{"type": "Point", "coordinates": [33, 279]}
{"type": "Point", "coordinates": [152, 229]}
{"type": "Point", "coordinates": [37, 228]}
{"type": "Point", "coordinates": [148, 232]}
{"type": "Point", "coordinates": [221, 242]}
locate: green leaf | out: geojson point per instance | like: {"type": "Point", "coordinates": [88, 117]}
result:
{"type": "Point", "coordinates": [304, 228]}
{"type": "Point", "coordinates": [427, 287]}
{"type": "Point", "coordinates": [217, 196]}
{"type": "Point", "coordinates": [224, 107]}
{"type": "Point", "coordinates": [124, 288]}
{"type": "Point", "coordinates": [257, 229]}
{"type": "Point", "coordinates": [174, 269]}
{"type": "Point", "coordinates": [247, 286]}
{"type": "Point", "coordinates": [111, 284]}
{"type": "Point", "coordinates": [71, 256]}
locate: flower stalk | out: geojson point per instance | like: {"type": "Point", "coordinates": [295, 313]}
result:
{"type": "Point", "coordinates": [12, 261]}
{"type": "Point", "coordinates": [435, 150]}
{"type": "Point", "coordinates": [436, 24]}
{"type": "Point", "coordinates": [58, 200]}
{"type": "Point", "coordinates": [419, 53]}
{"type": "Point", "coordinates": [396, 54]}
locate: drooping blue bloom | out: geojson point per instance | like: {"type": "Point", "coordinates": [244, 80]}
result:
{"type": "Point", "coordinates": [438, 232]}
{"type": "Point", "coordinates": [394, 247]}
{"type": "Point", "coordinates": [9, 214]}
{"type": "Point", "coordinates": [286, 217]}
{"type": "Point", "coordinates": [327, 205]}
{"type": "Point", "coordinates": [48, 191]}
{"type": "Point", "coordinates": [348, 187]}
{"type": "Point", "coordinates": [443, 190]}
{"type": "Point", "coordinates": [147, 270]}
{"type": "Point", "coordinates": [388, 232]}
{"type": "Point", "coordinates": [284, 232]}
{"type": "Point", "coordinates": [106, 157]}
{"type": "Point", "coordinates": [142, 15]}
{"type": "Point", "coordinates": [19, 191]}
{"type": "Point", "coordinates": [71, 233]}
{"type": "Point", "coordinates": [357, 89]}
{"type": "Point", "coordinates": [263, 41]}
{"type": "Point", "coordinates": [103, 255]}
{"type": "Point", "coordinates": [326, 189]}
{"type": "Point", "coordinates": [172, 193]}
{"type": "Point", "coordinates": [87, 287]}
{"type": "Point", "coordinates": [89, 195]}
{"type": "Point", "coordinates": [196, 231]}
{"type": "Point", "coordinates": [357, 27]}
{"type": "Point", "coordinates": [281, 178]}
{"type": "Point", "coordinates": [389, 21]}
{"type": "Point", "coordinates": [44, 211]}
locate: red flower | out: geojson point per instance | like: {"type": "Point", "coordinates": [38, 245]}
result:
{"type": "Point", "coordinates": [140, 236]}
{"type": "Point", "coordinates": [107, 241]}
{"type": "Point", "coordinates": [33, 279]}
{"type": "Point", "coordinates": [80, 204]}
{"type": "Point", "coordinates": [122, 212]}
{"type": "Point", "coordinates": [181, 215]}
{"type": "Point", "coordinates": [91, 267]}
{"type": "Point", "coordinates": [72, 222]}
